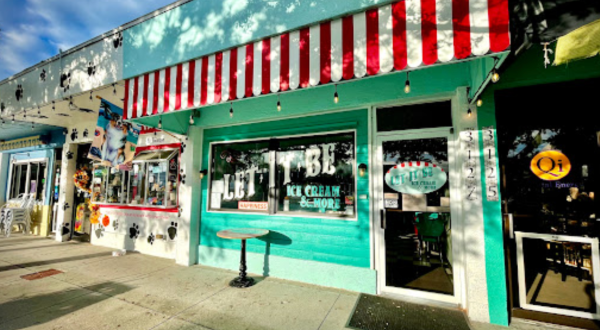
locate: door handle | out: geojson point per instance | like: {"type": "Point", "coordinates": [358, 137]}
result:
{"type": "Point", "coordinates": [382, 218]}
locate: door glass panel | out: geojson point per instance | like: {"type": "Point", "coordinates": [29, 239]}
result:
{"type": "Point", "coordinates": [33, 179]}
{"type": "Point", "coordinates": [417, 210]}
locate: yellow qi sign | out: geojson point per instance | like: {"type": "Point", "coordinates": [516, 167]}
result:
{"type": "Point", "coordinates": [550, 165]}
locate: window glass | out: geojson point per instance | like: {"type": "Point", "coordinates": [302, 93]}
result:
{"type": "Point", "coordinates": [415, 116]}
{"type": "Point", "coordinates": [41, 182]}
{"type": "Point", "coordinates": [316, 175]}
{"type": "Point", "coordinates": [172, 180]}
{"type": "Point", "coordinates": [20, 180]}
{"type": "Point", "coordinates": [157, 180]}
{"type": "Point", "coordinates": [138, 184]}
{"type": "Point", "coordinates": [99, 184]}
{"type": "Point", "coordinates": [114, 185]}
{"type": "Point", "coordinates": [240, 177]}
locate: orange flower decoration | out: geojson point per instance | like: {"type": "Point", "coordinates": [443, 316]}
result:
{"type": "Point", "coordinates": [105, 221]}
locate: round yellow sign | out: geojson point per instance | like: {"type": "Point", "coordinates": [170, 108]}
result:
{"type": "Point", "coordinates": [550, 165]}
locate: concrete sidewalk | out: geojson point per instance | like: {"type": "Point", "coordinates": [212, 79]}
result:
{"type": "Point", "coordinates": [98, 291]}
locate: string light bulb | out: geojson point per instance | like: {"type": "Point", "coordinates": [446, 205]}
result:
{"type": "Point", "coordinates": [469, 112]}
{"type": "Point", "coordinates": [192, 119]}
{"type": "Point", "coordinates": [53, 107]}
{"type": "Point", "coordinates": [231, 111]}
{"type": "Point", "coordinates": [336, 96]}
{"type": "Point", "coordinates": [495, 76]}
{"type": "Point", "coordinates": [407, 84]}
{"type": "Point", "coordinates": [32, 126]}
{"type": "Point", "coordinates": [24, 113]}
{"type": "Point", "coordinates": [91, 98]}
{"type": "Point", "coordinates": [114, 89]}
{"type": "Point", "coordinates": [479, 102]}
{"type": "Point", "coordinates": [13, 119]}
{"type": "Point", "coordinates": [160, 123]}
{"type": "Point", "coordinates": [278, 103]}
{"type": "Point", "coordinates": [39, 112]}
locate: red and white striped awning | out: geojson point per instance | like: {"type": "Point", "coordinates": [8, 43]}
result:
{"type": "Point", "coordinates": [401, 35]}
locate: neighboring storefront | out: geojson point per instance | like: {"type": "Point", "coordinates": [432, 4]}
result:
{"type": "Point", "coordinates": [30, 169]}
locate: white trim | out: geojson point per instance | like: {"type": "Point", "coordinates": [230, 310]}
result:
{"type": "Point", "coordinates": [521, 273]}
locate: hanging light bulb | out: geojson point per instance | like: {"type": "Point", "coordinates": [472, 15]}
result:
{"type": "Point", "coordinates": [495, 76]}
{"type": "Point", "coordinates": [24, 113]}
{"type": "Point", "coordinates": [70, 101]}
{"type": "Point", "coordinates": [192, 119]}
{"type": "Point", "coordinates": [91, 98]}
{"type": "Point", "coordinates": [13, 119]}
{"type": "Point", "coordinates": [278, 103]}
{"type": "Point", "coordinates": [114, 89]}
{"type": "Point", "coordinates": [479, 102]}
{"type": "Point", "coordinates": [407, 84]}
{"type": "Point", "coordinates": [32, 126]}
{"type": "Point", "coordinates": [336, 97]}
{"type": "Point", "coordinates": [469, 112]}
{"type": "Point", "coordinates": [39, 113]}
{"type": "Point", "coordinates": [160, 123]}
{"type": "Point", "coordinates": [53, 107]}
{"type": "Point", "coordinates": [231, 111]}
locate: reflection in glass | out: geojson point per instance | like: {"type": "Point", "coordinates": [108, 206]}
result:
{"type": "Point", "coordinates": [418, 225]}
{"type": "Point", "coordinates": [99, 184]}
{"type": "Point", "coordinates": [137, 184]}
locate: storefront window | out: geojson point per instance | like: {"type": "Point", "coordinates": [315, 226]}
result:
{"type": "Point", "coordinates": [28, 179]}
{"type": "Point", "coordinates": [316, 175]}
{"type": "Point", "coordinates": [240, 177]}
{"type": "Point", "coordinates": [99, 184]}
{"type": "Point", "coordinates": [114, 186]}
{"type": "Point", "coordinates": [137, 182]}
{"type": "Point", "coordinates": [312, 176]}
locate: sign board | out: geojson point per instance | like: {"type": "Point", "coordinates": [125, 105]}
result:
{"type": "Point", "coordinates": [415, 177]}
{"type": "Point", "coordinates": [550, 165]}
{"type": "Point", "coordinates": [253, 206]}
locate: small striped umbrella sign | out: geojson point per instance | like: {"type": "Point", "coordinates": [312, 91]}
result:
{"type": "Point", "coordinates": [415, 177]}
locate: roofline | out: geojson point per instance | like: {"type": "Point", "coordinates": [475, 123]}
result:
{"type": "Point", "coordinates": [99, 38]}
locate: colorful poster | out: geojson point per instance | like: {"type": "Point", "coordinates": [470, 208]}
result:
{"type": "Point", "coordinates": [114, 139]}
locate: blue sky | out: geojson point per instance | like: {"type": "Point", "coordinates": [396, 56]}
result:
{"type": "Point", "coordinates": [33, 30]}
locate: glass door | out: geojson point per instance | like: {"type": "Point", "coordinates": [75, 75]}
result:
{"type": "Point", "coordinates": [416, 254]}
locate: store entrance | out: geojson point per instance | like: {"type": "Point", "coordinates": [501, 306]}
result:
{"type": "Point", "coordinates": [550, 163]}
{"type": "Point", "coordinates": [81, 225]}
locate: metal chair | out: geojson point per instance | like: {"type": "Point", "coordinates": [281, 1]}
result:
{"type": "Point", "coordinates": [431, 228]}
{"type": "Point", "coordinates": [17, 211]}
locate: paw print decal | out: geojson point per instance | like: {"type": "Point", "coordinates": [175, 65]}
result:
{"type": "Point", "coordinates": [86, 133]}
{"type": "Point", "coordinates": [116, 224]}
{"type": "Point", "coordinates": [74, 134]}
{"type": "Point", "coordinates": [65, 81]}
{"type": "Point", "coordinates": [19, 92]}
{"type": "Point", "coordinates": [172, 230]}
{"type": "Point", "coordinates": [65, 228]}
{"type": "Point", "coordinates": [151, 239]}
{"type": "Point", "coordinates": [134, 231]}
{"type": "Point", "coordinates": [99, 231]}
{"type": "Point", "coordinates": [91, 69]}
{"type": "Point", "coordinates": [43, 75]}
{"type": "Point", "coordinates": [118, 40]}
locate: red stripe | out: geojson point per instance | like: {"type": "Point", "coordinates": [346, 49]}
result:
{"type": "Point", "coordinates": [178, 83]}
{"type": "Point", "coordinates": [304, 57]}
{"type": "Point", "coordinates": [155, 93]}
{"type": "Point", "coordinates": [348, 47]}
{"type": "Point", "coordinates": [373, 42]}
{"type": "Point", "coordinates": [249, 69]}
{"type": "Point", "coordinates": [429, 31]}
{"type": "Point", "coordinates": [399, 28]}
{"type": "Point", "coordinates": [325, 52]}
{"type": "Point", "coordinates": [126, 100]}
{"type": "Point", "coordinates": [204, 80]}
{"type": "Point", "coordinates": [135, 98]}
{"type": "Point", "coordinates": [192, 77]}
{"type": "Point", "coordinates": [233, 74]}
{"type": "Point", "coordinates": [166, 91]}
{"type": "Point", "coordinates": [218, 74]}
{"type": "Point", "coordinates": [462, 29]}
{"type": "Point", "coordinates": [266, 66]}
{"type": "Point", "coordinates": [499, 30]}
{"type": "Point", "coordinates": [145, 95]}
{"type": "Point", "coordinates": [284, 73]}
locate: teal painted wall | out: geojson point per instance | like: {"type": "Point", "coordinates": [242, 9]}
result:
{"type": "Point", "coordinates": [204, 27]}
{"type": "Point", "coordinates": [344, 242]}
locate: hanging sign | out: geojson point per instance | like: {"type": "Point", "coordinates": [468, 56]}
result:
{"type": "Point", "coordinates": [550, 165]}
{"type": "Point", "coordinates": [114, 139]}
{"type": "Point", "coordinates": [415, 177]}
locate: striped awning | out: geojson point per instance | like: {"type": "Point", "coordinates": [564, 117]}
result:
{"type": "Point", "coordinates": [400, 36]}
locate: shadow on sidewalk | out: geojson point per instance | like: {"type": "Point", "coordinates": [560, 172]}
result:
{"type": "Point", "coordinates": [40, 309]}
{"type": "Point", "coordinates": [53, 261]}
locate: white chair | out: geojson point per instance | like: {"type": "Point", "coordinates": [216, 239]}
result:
{"type": "Point", "coordinates": [17, 211]}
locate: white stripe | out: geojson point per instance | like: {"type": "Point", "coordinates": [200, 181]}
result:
{"type": "Point", "coordinates": [172, 88]}
{"type": "Point", "coordinates": [445, 35]}
{"type": "Point", "coordinates": [210, 90]}
{"type": "Point", "coordinates": [184, 85]}
{"type": "Point", "coordinates": [161, 91]}
{"type": "Point", "coordinates": [336, 50]}
{"type": "Point", "coordinates": [197, 81]}
{"type": "Point", "coordinates": [294, 59]}
{"type": "Point", "coordinates": [315, 55]}
{"type": "Point", "coordinates": [130, 99]}
{"type": "Point", "coordinates": [275, 63]}
{"type": "Point", "coordinates": [225, 76]}
{"type": "Point", "coordinates": [479, 19]}
{"type": "Point", "coordinates": [241, 70]}
{"type": "Point", "coordinates": [414, 44]}
{"type": "Point", "coordinates": [257, 78]}
{"type": "Point", "coordinates": [150, 93]}
{"type": "Point", "coordinates": [360, 45]}
{"type": "Point", "coordinates": [386, 39]}
{"type": "Point", "coordinates": [140, 105]}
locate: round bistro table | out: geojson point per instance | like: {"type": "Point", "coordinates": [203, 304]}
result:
{"type": "Point", "coordinates": [242, 281]}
